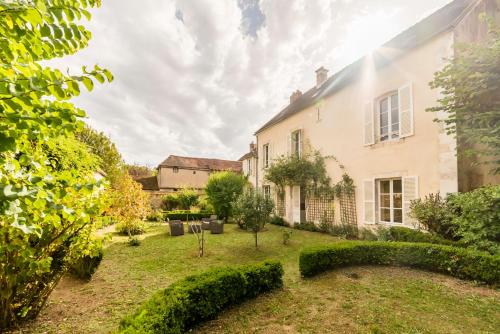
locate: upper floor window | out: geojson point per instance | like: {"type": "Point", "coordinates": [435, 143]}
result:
{"type": "Point", "coordinates": [296, 143]}
{"type": "Point", "coordinates": [389, 117]}
{"type": "Point", "coordinates": [175, 169]}
{"type": "Point", "coordinates": [265, 157]}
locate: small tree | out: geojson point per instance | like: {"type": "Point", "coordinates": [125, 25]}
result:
{"type": "Point", "coordinates": [129, 205]}
{"type": "Point", "coordinates": [254, 209]}
{"type": "Point", "coordinates": [187, 198]}
{"type": "Point", "coordinates": [222, 190]}
{"type": "Point", "coordinates": [170, 201]}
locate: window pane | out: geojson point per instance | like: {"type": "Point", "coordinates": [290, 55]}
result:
{"type": "Point", "coordinates": [398, 215]}
{"type": "Point", "coordinates": [385, 215]}
{"type": "Point", "coordinates": [396, 186]}
{"type": "Point", "coordinates": [394, 102]}
{"type": "Point", "coordinates": [385, 201]}
{"type": "Point", "coordinates": [398, 201]}
{"type": "Point", "coordinates": [385, 187]}
{"type": "Point", "coordinates": [384, 105]}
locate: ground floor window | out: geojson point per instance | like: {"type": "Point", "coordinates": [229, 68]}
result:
{"type": "Point", "coordinates": [390, 200]}
{"type": "Point", "coordinates": [267, 190]}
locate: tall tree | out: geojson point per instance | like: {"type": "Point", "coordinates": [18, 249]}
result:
{"type": "Point", "coordinates": [470, 85]}
{"type": "Point", "coordinates": [111, 161]}
{"type": "Point", "coordinates": [48, 209]}
{"type": "Point", "coordinates": [222, 189]}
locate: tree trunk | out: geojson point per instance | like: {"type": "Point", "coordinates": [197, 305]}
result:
{"type": "Point", "coordinates": [255, 234]}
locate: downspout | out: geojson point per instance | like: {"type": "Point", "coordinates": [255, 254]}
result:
{"type": "Point", "coordinates": [257, 162]}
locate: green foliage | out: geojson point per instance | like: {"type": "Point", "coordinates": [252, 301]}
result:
{"type": "Point", "coordinates": [287, 235]}
{"type": "Point", "coordinates": [130, 227]}
{"type": "Point", "coordinates": [398, 233]}
{"type": "Point", "coordinates": [138, 171]}
{"type": "Point", "coordinates": [222, 190]}
{"type": "Point", "coordinates": [307, 170]}
{"type": "Point", "coordinates": [277, 220]}
{"type": "Point", "coordinates": [129, 205]}
{"type": "Point", "coordinates": [198, 298]}
{"type": "Point", "coordinates": [306, 226]}
{"type": "Point", "coordinates": [469, 84]}
{"type": "Point", "coordinates": [477, 218]}
{"type": "Point", "coordinates": [253, 209]}
{"type": "Point", "coordinates": [111, 161]}
{"type": "Point", "coordinates": [186, 215]}
{"type": "Point", "coordinates": [457, 262]}
{"type": "Point", "coordinates": [187, 198]}
{"type": "Point", "coordinates": [346, 231]}
{"type": "Point", "coordinates": [434, 214]}
{"type": "Point", "coordinates": [134, 241]}
{"type": "Point", "coordinates": [84, 267]}
{"type": "Point", "coordinates": [155, 216]}
{"type": "Point", "coordinates": [47, 213]}
{"type": "Point", "coordinates": [170, 201]}
{"type": "Point", "coordinates": [67, 153]}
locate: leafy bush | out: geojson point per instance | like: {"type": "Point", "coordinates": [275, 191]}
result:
{"type": "Point", "coordinates": [198, 298]}
{"type": "Point", "coordinates": [170, 201]}
{"type": "Point", "coordinates": [457, 262]}
{"type": "Point", "coordinates": [398, 233]}
{"type": "Point", "coordinates": [133, 227]}
{"type": "Point", "coordinates": [253, 209]}
{"type": "Point", "coordinates": [477, 218]}
{"type": "Point", "coordinates": [155, 216]}
{"type": "Point", "coordinates": [186, 215]}
{"type": "Point", "coordinates": [278, 221]}
{"type": "Point", "coordinates": [287, 235]}
{"type": "Point", "coordinates": [187, 198]}
{"type": "Point", "coordinates": [134, 241]}
{"type": "Point", "coordinates": [222, 190]}
{"type": "Point", "coordinates": [347, 231]}
{"type": "Point", "coordinates": [435, 215]}
{"type": "Point", "coordinates": [306, 226]}
{"type": "Point", "coordinates": [86, 266]}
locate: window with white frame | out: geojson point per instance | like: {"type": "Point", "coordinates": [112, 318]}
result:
{"type": "Point", "coordinates": [175, 169]}
{"type": "Point", "coordinates": [265, 155]}
{"type": "Point", "coordinates": [296, 143]}
{"type": "Point", "coordinates": [390, 200]}
{"type": "Point", "coordinates": [388, 110]}
{"type": "Point", "coordinates": [267, 190]}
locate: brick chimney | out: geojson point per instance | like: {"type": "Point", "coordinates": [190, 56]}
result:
{"type": "Point", "coordinates": [321, 76]}
{"type": "Point", "coordinates": [295, 95]}
{"type": "Point", "coordinates": [252, 147]}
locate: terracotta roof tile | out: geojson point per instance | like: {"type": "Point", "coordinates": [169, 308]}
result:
{"type": "Point", "coordinates": [148, 183]}
{"type": "Point", "coordinates": [201, 163]}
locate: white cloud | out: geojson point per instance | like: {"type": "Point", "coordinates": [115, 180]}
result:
{"type": "Point", "coordinates": [189, 81]}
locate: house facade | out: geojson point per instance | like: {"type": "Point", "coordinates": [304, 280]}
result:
{"type": "Point", "coordinates": [177, 172]}
{"type": "Point", "coordinates": [371, 117]}
{"type": "Point", "coordinates": [249, 165]}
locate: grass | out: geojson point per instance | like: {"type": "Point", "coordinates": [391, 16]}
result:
{"type": "Point", "coordinates": [352, 300]}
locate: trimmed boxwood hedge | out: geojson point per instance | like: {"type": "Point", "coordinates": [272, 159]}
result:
{"type": "Point", "coordinates": [186, 215]}
{"type": "Point", "coordinates": [399, 233]}
{"type": "Point", "coordinates": [454, 261]}
{"type": "Point", "coordinates": [197, 298]}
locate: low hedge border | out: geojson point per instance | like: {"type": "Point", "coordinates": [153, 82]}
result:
{"type": "Point", "coordinates": [454, 261]}
{"type": "Point", "coordinates": [198, 298]}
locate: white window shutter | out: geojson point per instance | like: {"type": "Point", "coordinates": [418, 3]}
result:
{"type": "Point", "coordinates": [405, 110]}
{"type": "Point", "coordinates": [369, 201]}
{"type": "Point", "coordinates": [410, 193]}
{"type": "Point", "coordinates": [369, 129]}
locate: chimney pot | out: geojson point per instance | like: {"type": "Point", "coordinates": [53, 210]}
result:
{"type": "Point", "coordinates": [295, 95]}
{"type": "Point", "coordinates": [252, 147]}
{"type": "Point", "coordinates": [321, 76]}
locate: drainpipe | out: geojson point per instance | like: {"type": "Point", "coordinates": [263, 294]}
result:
{"type": "Point", "coordinates": [257, 163]}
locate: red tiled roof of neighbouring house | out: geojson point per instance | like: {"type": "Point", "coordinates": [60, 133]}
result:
{"type": "Point", "coordinates": [201, 163]}
{"type": "Point", "coordinates": [148, 183]}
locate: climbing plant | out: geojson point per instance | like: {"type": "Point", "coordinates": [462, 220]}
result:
{"type": "Point", "coordinates": [48, 206]}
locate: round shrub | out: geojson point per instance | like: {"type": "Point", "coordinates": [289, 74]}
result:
{"type": "Point", "coordinates": [457, 262]}
{"type": "Point", "coordinates": [134, 227]}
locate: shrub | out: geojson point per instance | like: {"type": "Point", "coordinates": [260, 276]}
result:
{"type": "Point", "coordinates": [130, 228]}
{"type": "Point", "coordinates": [398, 233]}
{"type": "Point", "coordinates": [187, 198]}
{"type": "Point", "coordinates": [86, 266]}
{"type": "Point", "coordinates": [278, 221]}
{"type": "Point", "coordinates": [457, 262]}
{"type": "Point", "coordinates": [435, 215]}
{"type": "Point", "coordinates": [222, 190]}
{"type": "Point", "coordinates": [253, 208]}
{"type": "Point", "coordinates": [306, 226]}
{"type": "Point", "coordinates": [347, 231]}
{"type": "Point", "coordinates": [155, 216]}
{"type": "Point", "coordinates": [134, 241]}
{"type": "Point", "coordinates": [170, 201]}
{"type": "Point", "coordinates": [186, 215]}
{"type": "Point", "coordinates": [477, 218]}
{"type": "Point", "coordinates": [287, 235]}
{"type": "Point", "coordinates": [198, 298]}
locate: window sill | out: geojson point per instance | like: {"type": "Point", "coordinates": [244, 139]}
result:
{"type": "Point", "coordinates": [388, 143]}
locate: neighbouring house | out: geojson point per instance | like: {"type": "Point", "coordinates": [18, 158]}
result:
{"type": "Point", "coordinates": [371, 117]}
{"type": "Point", "coordinates": [177, 172]}
{"type": "Point", "coordinates": [249, 164]}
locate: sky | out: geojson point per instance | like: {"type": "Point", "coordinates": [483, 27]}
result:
{"type": "Point", "coordinates": [199, 77]}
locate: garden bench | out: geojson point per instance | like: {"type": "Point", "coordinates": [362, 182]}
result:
{"type": "Point", "coordinates": [176, 228]}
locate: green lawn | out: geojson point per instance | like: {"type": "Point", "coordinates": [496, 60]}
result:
{"type": "Point", "coordinates": [352, 300]}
